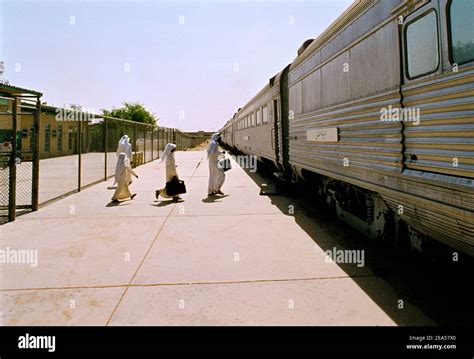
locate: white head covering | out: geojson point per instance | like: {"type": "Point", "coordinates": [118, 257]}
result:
{"type": "Point", "coordinates": [167, 151]}
{"type": "Point", "coordinates": [211, 148]}
{"type": "Point", "coordinates": [122, 162]}
{"type": "Point", "coordinates": [124, 146]}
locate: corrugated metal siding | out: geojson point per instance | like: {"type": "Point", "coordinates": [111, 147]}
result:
{"type": "Point", "coordinates": [444, 226]}
{"type": "Point", "coordinates": [364, 140]}
{"type": "Point", "coordinates": [446, 128]}
{"type": "Point", "coordinates": [259, 143]}
{"type": "Point", "coordinates": [368, 15]}
{"type": "Point", "coordinates": [260, 140]}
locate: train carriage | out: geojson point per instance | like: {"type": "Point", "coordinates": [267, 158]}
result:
{"type": "Point", "coordinates": [254, 132]}
{"type": "Point", "coordinates": [377, 113]}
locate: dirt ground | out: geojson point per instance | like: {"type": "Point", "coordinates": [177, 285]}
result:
{"type": "Point", "coordinates": [200, 147]}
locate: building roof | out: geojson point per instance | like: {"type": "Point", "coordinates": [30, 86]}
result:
{"type": "Point", "coordinates": [18, 91]}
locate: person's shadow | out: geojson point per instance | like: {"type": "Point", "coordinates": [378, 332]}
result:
{"type": "Point", "coordinates": [165, 203]}
{"type": "Point", "coordinates": [115, 204]}
{"type": "Point", "coordinates": [213, 199]}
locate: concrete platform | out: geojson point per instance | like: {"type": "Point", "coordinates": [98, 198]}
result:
{"type": "Point", "coordinates": [235, 260]}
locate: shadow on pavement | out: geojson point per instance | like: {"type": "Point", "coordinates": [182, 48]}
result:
{"type": "Point", "coordinates": [437, 287]}
{"type": "Point", "coordinates": [213, 199]}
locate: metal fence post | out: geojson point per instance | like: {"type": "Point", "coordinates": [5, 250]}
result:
{"type": "Point", "coordinates": [105, 148]}
{"type": "Point", "coordinates": [135, 141]}
{"type": "Point", "coordinates": [36, 156]}
{"type": "Point", "coordinates": [79, 151]}
{"type": "Point", "coordinates": [144, 143]}
{"type": "Point", "coordinates": [12, 178]}
{"type": "Point", "coordinates": [160, 139]}
{"type": "Point", "coordinates": [152, 130]}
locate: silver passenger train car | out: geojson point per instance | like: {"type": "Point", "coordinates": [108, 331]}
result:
{"type": "Point", "coordinates": [378, 114]}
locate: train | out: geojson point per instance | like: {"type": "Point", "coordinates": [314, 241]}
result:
{"type": "Point", "coordinates": [377, 115]}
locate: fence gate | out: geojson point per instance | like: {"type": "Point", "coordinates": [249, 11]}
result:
{"type": "Point", "coordinates": [19, 121]}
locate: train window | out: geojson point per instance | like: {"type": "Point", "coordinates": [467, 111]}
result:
{"type": "Point", "coordinates": [461, 31]}
{"type": "Point", "coordinates": [259, 118]}
{"type": "Point", "coordinates": [422, 51]}
{"type": "Point", "coordinates": [265, 114]}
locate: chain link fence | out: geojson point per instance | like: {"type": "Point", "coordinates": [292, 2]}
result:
{"type": "Point", "coordinates": [87, 154]}
{"type": "Point", "coordinates": [6, 134]}
{"type": "Point", "coordinates": [73, 150]}
{"type": "Point", "coordinates": [16, 156]}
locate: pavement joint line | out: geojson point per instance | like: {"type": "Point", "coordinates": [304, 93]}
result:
{"type": "Point", "coordinates": [98, 217]}
{"type": "Point", "coordinates": [250, 281]}
{"type": "Point", "coordinates": [164, 216]}
{"type": "Point", "coordinates": [146, 253]}
{"type": "Point", "coordinates": [231, 215]}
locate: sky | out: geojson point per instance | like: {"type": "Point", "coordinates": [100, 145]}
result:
{"type": "Point", "coordinates": [192, 63]}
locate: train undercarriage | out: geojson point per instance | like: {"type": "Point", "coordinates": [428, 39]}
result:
{"type": "Point", "coordinates": [367, 212]}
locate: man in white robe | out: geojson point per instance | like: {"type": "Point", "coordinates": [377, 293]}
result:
{"type": "Point", "coordinates": [168, 156]}
{"type": "Point", "coordinates": [216, 174]}
{"type": "Point", "coordinates": [124, 146]}
{"type": "Point", "coordinates": [124, 179]}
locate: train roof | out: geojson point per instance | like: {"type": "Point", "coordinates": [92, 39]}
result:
{"type": "Point", "coordinates": [353, 11]}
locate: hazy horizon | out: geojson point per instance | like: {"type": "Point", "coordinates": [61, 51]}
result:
{"type": "Point", "coordinates": [192, 63]}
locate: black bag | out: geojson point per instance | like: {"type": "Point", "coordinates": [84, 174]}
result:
{"type": "Point", "coordinates": [224, 164]}
{"type": "Point", "coordinates": [175, 187]}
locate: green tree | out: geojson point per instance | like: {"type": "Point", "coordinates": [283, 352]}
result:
{"type": "Point", "coordinates": [133, 111]}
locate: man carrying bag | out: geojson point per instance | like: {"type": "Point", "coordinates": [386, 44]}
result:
{"type": "Point", "coordinates": [175, 187]}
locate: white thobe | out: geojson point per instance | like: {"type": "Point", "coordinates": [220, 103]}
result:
{"type": "Point", "coordinates": [123, 192]}
{"type": "Point", "coordinates": [216, 174]}
{"type": "Point", "coordinates": [170, 173]}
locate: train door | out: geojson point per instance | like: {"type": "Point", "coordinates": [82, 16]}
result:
{"type": "Point", "coordinates": [275, 129]}
{"type": "Point", "coordinates": [233, 135]}
{"type": "Point", "coordinates": [283, 127]}
{"type": "Point", "coordinates": [437, 112]}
